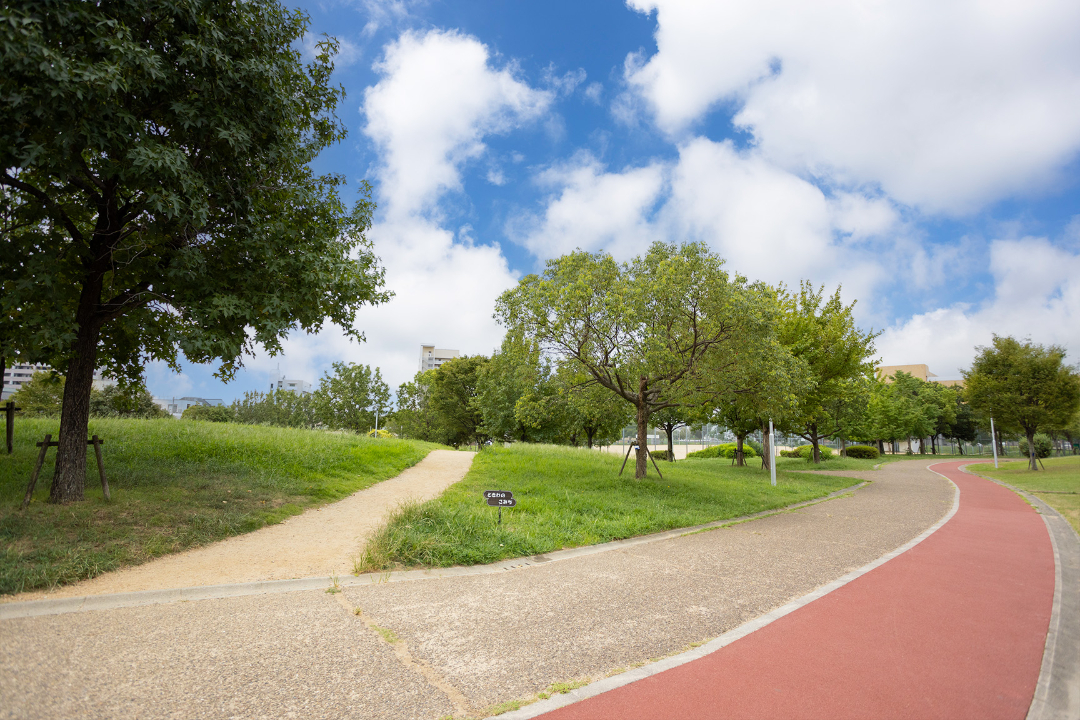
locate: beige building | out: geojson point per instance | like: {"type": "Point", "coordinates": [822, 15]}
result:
{"type": "Point", "coordinates": [432, 357]}
{"type": "Point", "coordinates": [887, 372]}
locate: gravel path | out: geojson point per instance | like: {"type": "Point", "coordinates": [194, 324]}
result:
{"type": "Point", "coordinates": [318, 542]}
{"type": "Point", "coordinates": [454, 645]}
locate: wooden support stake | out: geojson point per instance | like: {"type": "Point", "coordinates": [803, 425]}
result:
{"type": "Point", "coordinates": [654, 463]}
{"type": "Point", "coordinates": [625, 459]}
{"type": "Point", "coordinates": [9, 411]}
{"type": "Point", "coordinates": [37, 469]}
{"type": "Point", "coordinates": [96, 442]}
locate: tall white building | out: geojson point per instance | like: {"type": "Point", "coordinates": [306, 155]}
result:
{"type": "Point", "coordinates": [432, 357]}
{"type": "Point", "coordinates": [18, 375]}
{"type": "Point", "coordinates": [300, 387]}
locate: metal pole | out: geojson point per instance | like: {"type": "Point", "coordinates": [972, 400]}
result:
{"type": "Point", "coordinates": [772, 453]}
{"type": "Point", "coordinates": [993, 441]}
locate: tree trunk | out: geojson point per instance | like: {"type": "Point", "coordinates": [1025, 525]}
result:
{"type": "Point", "coordinates": [1000, 443]}
{"type": "Point", "coordinates": [843, 447]}
{"type": "Point", "coordinates": [881, 447]}
{"type": "Point", "coordinates": [589, 436]}
{"type": "Point", "coordinates": [739, 449]}
{"type": "Point", "coordinates": [922, 446]}
{"type": "Point", "coordinates": [641, 461]}
{"type": "Point", "coordinates": [69, 477]}
{"type": "Point", "coordinates": [670, 430]}
{"type": "Point", "coordinates": [814, 440]}
{"type": "Point", "coordinates": [1033, 462]}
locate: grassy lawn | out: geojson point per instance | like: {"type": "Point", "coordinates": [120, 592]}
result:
{"type": "Point", "coordinates": [568, 498]}
{"type": "Point", "coordinates": [1058, 486]}
{"type": "Point", "coordinates": [175, 484]}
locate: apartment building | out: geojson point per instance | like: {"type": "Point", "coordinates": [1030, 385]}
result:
{"type": "Point", "coordinates": [432, 357]}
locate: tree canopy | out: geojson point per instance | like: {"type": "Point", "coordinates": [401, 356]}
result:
{"type": "Point", "coordinates": [1023, 386]}
{"type": "Point", "coordinates": [156, 195]}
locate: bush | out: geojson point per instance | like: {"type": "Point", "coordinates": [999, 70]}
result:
{"type": "Point", "coordinates": [210, 413]}
{"type": "Point", "coordinates": [1043, 447]}
{"type": "Point", "coordinates": [659, 454]}
{"type": "Point", "coordinates": [758, 448]}
{"type": "Point", "coordinates": [727, 450]}
{"type": "Point", "coordinates": [806, 452]}
{"type": "Point", "coordinates": [862, 452]}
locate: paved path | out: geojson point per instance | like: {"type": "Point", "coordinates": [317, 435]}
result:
{"type": "Point", "coordinates": [953, 628]}
{"type": "Point", "coordinates": [319, 542]}
{"type": "Point", "coordinates": [456, 645]}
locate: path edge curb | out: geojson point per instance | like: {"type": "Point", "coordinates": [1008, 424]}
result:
{"type": "Point", "coordinates": [630, 676]}
{"type": "Point", "coordinates": [1057, 692]}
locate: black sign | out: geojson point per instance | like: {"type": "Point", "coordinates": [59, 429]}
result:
{"type": "Point", "coordinates": [497, 494]}
{"type": "Point", "coordinates": [501, 502]}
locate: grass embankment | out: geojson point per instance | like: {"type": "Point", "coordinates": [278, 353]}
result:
{"type": "Point", "coordinates": [175, 484]}
{"type": "Point", "coordinates": [1058, 486]}
{"type": "Point", "coordinates": [568, 498]}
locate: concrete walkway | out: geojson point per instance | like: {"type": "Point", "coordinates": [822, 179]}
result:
{"type": "Point", "coordinates": [319, 542]}
{"type": "Point", "coordinates": [461, 644]}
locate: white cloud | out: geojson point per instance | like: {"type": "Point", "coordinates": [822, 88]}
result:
{"type": "Point", "coordinates": [437, 99]}
{"type": "Point", "coordinates": [945, 105]}
{"type": "Point", "coordinates": [591, 209]}
{"type": "Point", "coordinates": [1037, 296]}
{"type": "Point", "coordinates": [594, 91]}
{"type": "Point", "coordinates": [563, 84]}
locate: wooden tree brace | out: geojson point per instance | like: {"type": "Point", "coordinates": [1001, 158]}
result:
{"type": "Point", "coordinates": [48, 443]}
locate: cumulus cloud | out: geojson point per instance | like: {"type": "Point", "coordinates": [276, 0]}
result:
{"type": "Point", "coordinates": [946, 106]}
{"type": "Point", "coordinates": [1037, 296]}
{"type": "Point", "coordinates": [437, 99]}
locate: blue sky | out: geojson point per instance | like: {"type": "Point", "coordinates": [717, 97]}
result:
{"type": "Point", "coordinates": [922, 155]}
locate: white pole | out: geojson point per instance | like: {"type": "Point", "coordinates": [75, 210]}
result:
{"type": "Point", "coordinates": [993, 441]}
{"type": "Point", "coordinates": [772, 453]}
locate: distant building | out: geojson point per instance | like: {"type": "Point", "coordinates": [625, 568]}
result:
{"type": "Point", "coordinates": [888, 372]}
{"type": "Point", "coordinates": [177, 406]}
{"type": "Point", "coordinates": [300, 387]}
{"type": "Point", "coordinates": [432, 357]}
{"type": "Point", "coordinates": [19, 374]}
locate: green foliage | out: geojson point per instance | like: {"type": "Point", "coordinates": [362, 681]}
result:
{"type": "Point", "coordinates": [568, 498]}
{"type": "Point", "coordinates": [279, 407]}
{"type": "Point", "coordinates": [862, 452]}
{"type": "Point", "coordinates": [42, 396]}
{"type": "Point", "coordinates": [157, 194]}
{"type": "Point", "coordinates": [133, 402]}
{"type": "Point", "coordinates": [1023, 387]}
{"type": "Point", "coordinates": [1044, 447]}
{"type": "Point", "coordinates": [641, 329]}
{"type": "Point", "coordinates": [209, 413]}
{"type": "Point", "coordinates": [349, 398]}
{"type": "Point", "coordinates": [659, 455]}
{"type": "Point", "coordinates": [727, 450]}
{"type": "Point", "coordinates": [452, 401]}
{"type": "Point", "coordinates": [413, 417]}
{"type": "Point", "coordinates": [175, 485]}
{"type": "Point", "coordinates": [806, 452]}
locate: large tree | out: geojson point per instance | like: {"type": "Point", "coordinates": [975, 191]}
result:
{"type": "Point", "coordinates": [641, 329]}
{"type": "Point", "coordinates": [353, 398]}
{"type": "Point", "coordinates": [837, 354]}
{"type": "Point", "coordinates": [157, 195]}
{"type": "Point", "coordinates": [1024, 387]}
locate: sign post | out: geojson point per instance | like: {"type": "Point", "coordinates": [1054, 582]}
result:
{"type": "Point", "coordinates": [500, 499]}
{"type": "Point", "coordinates": [772, 453]}
{"type": "Point", "coordinates": [993, 441]}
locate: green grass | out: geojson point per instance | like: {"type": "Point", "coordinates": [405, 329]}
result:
{"type": "Point", "coordinates": [175, 484]}
{"type": "Point", "coordinates": [1058, 486]}
{"type": "Point", "coordinates": [569, 498]}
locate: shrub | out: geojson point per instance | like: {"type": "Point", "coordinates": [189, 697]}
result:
{"type": "Point", "coordinates": [659, 454]}
{"type": "Point", "coordinates": [862, 452]}
{"type": "Point", "coordinates": [1043, 446]}
{"type": "Point", "coordinates": [759, 449]}
{"type": "Point", "coordinates": [709, 452]}
{"type": "Point", "coordinates": [806, 452]}
{"type": "Point", "coordinates": [211, 413]}
{"type": "Point", "coordinates": [727, 450]}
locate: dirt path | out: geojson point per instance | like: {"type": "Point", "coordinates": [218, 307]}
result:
{"type": "Point", "coordinates": [318, 542]}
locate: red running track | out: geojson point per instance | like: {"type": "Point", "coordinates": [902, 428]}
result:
{"type": "Point", "coordinates": [953, 628]}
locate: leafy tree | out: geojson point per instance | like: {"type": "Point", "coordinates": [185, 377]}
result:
{"type": "Point", "coordinates": [351, 398]}
{"type": "Point", "coordinates": [278, 407]}
{"type": "Point", "coordinates": [414, 417]}
{"type": "Point", "coordinates": [131, 402]}
{"type": "Point", "coordinates": [157, 195]}
{"type": "Point", "coordinates": [42, 396]}
{"type": "Point", "coordinates": [452, 401]}
{"type": "Point", "coordinates": [1023, 387]}
{"type": "Point", "coordinates": [511, 374]}
{"type": "Point", "coordinates": [822, 334]}
{"type": "Point", "coordinates": [965, 425]}
{"type": "Point", "coordinates": [208, 413]}
{"type": "Point", "coordinates": [641, 329]}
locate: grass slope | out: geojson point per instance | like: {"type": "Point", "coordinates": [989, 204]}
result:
{"type": "Point", "coordinates": [1058, 486]}
{"type": "Point", "coordinates": [568, 498]}
{"type": "Point", "coordinates": [174, 485]}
